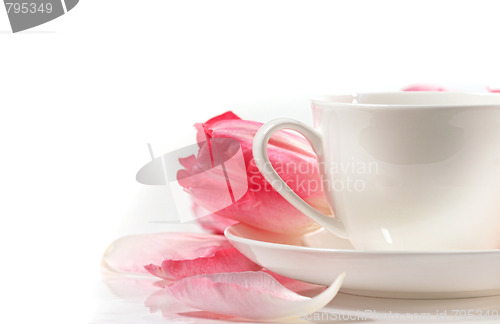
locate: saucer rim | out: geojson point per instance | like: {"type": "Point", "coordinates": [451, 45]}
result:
{"type": "Point", "coordinates": [245, 240]}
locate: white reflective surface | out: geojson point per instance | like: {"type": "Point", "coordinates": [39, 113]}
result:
{"type": "Point", "coordinates": [119, 302]}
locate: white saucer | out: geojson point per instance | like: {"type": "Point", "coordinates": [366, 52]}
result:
{"type": "Point", "coordinates": [319, 257]}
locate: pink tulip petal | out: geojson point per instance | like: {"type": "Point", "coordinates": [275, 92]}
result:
{"type": "Point", "coordinates": [213, 223]}
{"type": "Point", "coordinates": [425, 87]}
{"type": "Point", "coordinates": [131, 288]}
{"type": "Point", "coordinates": [171, 309]}
{"type": "Point", "coordinates": [188, 162]}
{"type": "Point", "coordinates": [201, 136]}
{"type": "Point", "coordinates": [226, 260]}
{"type": "Point", "coordinates": [162, 300]}
{"type": "Point", "coordinates": [244, 131]}
{"type": "Point", "coordinates": [300, 287]}
{"type": "Point", "coordinates": [130, 254]}
{"type": "Point", "coordinates": [250, 295]}
{"type": "Point", "coordinates": [219, 178]}
{"type": "Point", "coordinates": [430, 87]}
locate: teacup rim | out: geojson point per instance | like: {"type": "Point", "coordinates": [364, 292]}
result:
{"type": "Point", "coordinates": [326, 101]}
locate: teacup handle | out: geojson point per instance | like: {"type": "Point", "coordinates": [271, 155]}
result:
{"type": "Point", "coordinates": [264, 165]}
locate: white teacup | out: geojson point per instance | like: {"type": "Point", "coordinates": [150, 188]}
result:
{"type": "Point", "coordinates": [402, 171]}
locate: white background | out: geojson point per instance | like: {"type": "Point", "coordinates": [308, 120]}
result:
{"type": "Point", "coordinates": [81, 96]}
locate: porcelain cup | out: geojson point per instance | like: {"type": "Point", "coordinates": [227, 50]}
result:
{"type": "Point", "coordinates": [402, 170]}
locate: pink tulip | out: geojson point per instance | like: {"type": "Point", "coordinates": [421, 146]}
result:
{"type": "Point", "coordinates": [425, 87]}
{"type": "Point", "coordinates": [430, 87]}
{"type": "Point", "coordinates": [261, 206]}
{"type": "Point", "coordinates": [203, 271]}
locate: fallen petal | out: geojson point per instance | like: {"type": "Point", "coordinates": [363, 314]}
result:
{"type": "Point", "coordinates": [300, 287]}
{"type": "Point", "coordinates": [162, 300]}
{"type": "Point", "coordinates": [130, 288]}
{"type": "Point", "coordinates": [174, 311]}
{"type": "Point", "coordinates": [130, 254]}
{"type": "Point", "coordinates": [226, 260]}
{"type": "Point", "coordinates": [250, 295]}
